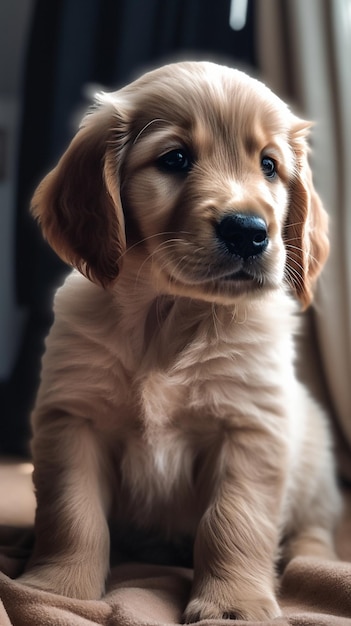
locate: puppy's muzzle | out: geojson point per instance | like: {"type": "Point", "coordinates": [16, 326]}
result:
{"type": "Point", "coordinates": [244, 236]}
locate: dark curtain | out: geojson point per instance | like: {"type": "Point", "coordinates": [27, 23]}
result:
{"type": "Point", "coordinates": [74, 43]}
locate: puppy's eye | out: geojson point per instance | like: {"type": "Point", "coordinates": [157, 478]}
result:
{"type": "Point", "coordinates": [268, 167]}
{"type": "Point", "coordinates": [175, 161]}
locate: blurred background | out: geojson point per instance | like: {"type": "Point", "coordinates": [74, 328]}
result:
{"type": "Point", "coordinates": [50, 51]}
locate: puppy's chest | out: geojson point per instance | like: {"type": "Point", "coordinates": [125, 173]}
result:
{"type": "Point", "coordinates": [158, 481]}
{"type": "Point", "coordinates": [179, 423]}
{"type": "Point", "coordinates": [201, 365]}
{"type": "Point", "coordinates": [202, 388]}
{"type": "Point", "coordinates": [186, 410]}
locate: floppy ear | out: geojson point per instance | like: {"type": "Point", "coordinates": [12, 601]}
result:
{"type": "Point", "coordinates": [78, 203]}
{"type": "Point", "coordinates": [306, 229]}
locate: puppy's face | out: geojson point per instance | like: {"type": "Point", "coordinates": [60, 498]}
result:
{"type": "Point", "coordinates": [204, 183]}
{"type": "Point", "coordinates": [206, 188]}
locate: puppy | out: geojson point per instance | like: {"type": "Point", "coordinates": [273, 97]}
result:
{"type": "Point", "coordinates": [169, 400]}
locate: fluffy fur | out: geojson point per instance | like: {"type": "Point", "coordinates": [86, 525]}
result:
{"type": "Point", "coordinates": [168, 398]}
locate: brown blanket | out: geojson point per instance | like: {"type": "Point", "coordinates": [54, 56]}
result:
{"type": "Point", "coordinates": [312, 592]}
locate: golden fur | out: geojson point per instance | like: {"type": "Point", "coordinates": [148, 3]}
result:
{"type": "Point", "coordinates": [169, 399]}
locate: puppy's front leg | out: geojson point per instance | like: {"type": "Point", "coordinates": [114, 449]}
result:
{"type": "Point", "coordinates": [71, 553]}
{"type": "Point", "coordinates": [237, 539]}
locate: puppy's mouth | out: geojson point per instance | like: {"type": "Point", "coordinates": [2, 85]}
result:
{"type": "Point", "coordinates": [223, 286]}
{"type": "Point", "coordinates": [239, 281]}
{"type": "Point", "coordinates": [252, 273]}
{"type": "Point", "coordinates": [220, 277]}
{"type": "Point", "coordinates": [240, 275]}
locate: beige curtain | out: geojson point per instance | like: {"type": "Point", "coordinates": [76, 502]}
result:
{"type": "Point", "coordinates": [304, 51]}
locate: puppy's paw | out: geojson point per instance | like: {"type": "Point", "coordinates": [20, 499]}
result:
{"type": "Point", "coordinates": [258, 609]}
{"type": "Point", "coordinates": [72, 581]}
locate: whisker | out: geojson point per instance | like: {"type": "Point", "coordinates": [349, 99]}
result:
{"type": "Point", "coordinates": [187, 265]}
{"type": "Point", "coordinates": [296, 263]}
{"type": "Point", "coordinates": [236, 316]}
{"type": "Point", "coordinates": [293, 278]}
{"type": "Point", "coordinates": [299, 249]}
{"type": "Point", "coordinates": [159, 234]}
{"type": "Point", "coordinates": [164, 244]}
{"type": "Point", "coordinates": [215, 319]}
{"type": "Point", "coordinates": [292, 224]}
{"type": "Point", "coordinates": [157, 119]}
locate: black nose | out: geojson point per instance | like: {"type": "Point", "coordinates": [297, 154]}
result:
{"type": "Point", "coordinates": [243, 235]}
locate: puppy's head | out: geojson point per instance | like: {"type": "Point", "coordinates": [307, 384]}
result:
{"type": "Point", "coordinates": [196, 175]}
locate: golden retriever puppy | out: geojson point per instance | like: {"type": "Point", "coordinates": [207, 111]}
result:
{"type": "Point", "coordinates": [168, 398]}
